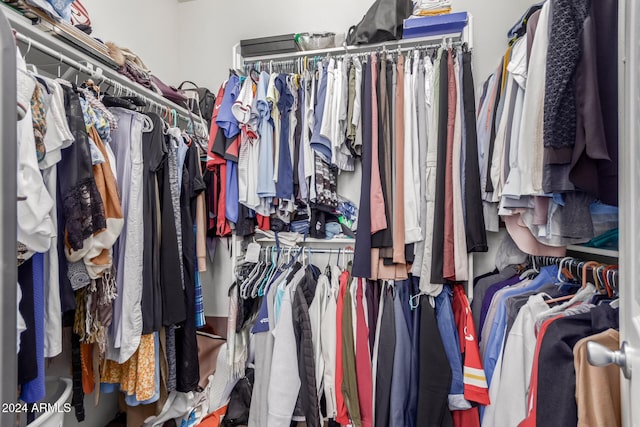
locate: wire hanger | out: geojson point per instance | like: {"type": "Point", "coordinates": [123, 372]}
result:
{"type": "Point", "coordinates": [28, 49]}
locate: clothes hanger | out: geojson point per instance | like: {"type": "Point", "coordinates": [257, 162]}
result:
{"type": "Point", "coordinates": [147, 124]}
{"type": "Point", "coordinates": [602, 279]}
{"type": "Point", "coordinates": [532, 271]}
{"type": "Point", "coordinates": [244, 288]}
{"type": "Point", "coordinates": [584, 283]}
{"type": "Point", "coordinates": [564, 272]}
{"type": "Point", "coordinates": [610, 272]}
{"type": "Point", "coordinates": [256, 285]}
{"type": "Point", "coordinates": [274, 268]}
{"type": "Point", "coordinates": [585, 266]}
{"type": "Point", "coordinates": [28, 50]}
{"type": "Point", "coordinates": [596, 279]}
{"type": "Point", "coordinates": [270, 267]}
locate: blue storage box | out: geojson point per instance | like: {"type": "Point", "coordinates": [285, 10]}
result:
{"type": "Point", "coordinates": [434, 25]}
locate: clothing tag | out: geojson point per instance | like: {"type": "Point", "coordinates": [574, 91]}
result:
{"type": "Point", "coordinates": [253, 253]}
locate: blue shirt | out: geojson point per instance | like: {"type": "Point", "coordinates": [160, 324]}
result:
{"type": "Point", "coordinates": [233, 193]}
{"type": "Point", "coordinates": [284, 186]}
{"type": "Point", "coordinates": [266, 185]}
{"type": "Point", "coordinates": [226, 120]}
{"type": "Point", "coordinates": [494, 347]}
{"type": "Point", "coordinates": [262, 321]}
{"type": "Point", "coordinates": [318, 142]}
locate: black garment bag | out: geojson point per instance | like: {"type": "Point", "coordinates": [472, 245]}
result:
{"type": "Point", "coordinates": [382, 22]}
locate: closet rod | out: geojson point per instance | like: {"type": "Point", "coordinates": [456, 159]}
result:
{"type": "Point", "coordinates": [103, 75]}
{"type": "Point", "coordinates": [309, 250]}
{"type": "Point", "coordinates": [342, 53]}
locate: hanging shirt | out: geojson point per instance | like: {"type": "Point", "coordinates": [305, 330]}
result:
{"type": "Point", "coordinates": [494, 346]}
{"type": "Point", "coordinates": [412, 173]}
{"type": "Point", "coordinates": [309, 121]}
{"type": "Point", "coordinates": [320, 143]}
{"type": "Point", "coordinates": [226, 120]}
{"type": "Point", "coordinates": [284, 184]}
{"type": "Point", "coordinates": [266, 186]}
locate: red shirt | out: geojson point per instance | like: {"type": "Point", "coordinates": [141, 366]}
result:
{"type": "Point", "coordinates": [363, 361]}
{"type": "Point", "coordinates": [475, 382]}
{"type": "Point", "coordinates": [341, 406]}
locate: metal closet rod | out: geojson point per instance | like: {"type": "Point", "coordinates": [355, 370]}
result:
{"type": "Point", "coordinates": [308, 250]}
{"type": "Point", "coordinates": [295, 58]}
{"type": "Point", "coordinates": [97, 73]}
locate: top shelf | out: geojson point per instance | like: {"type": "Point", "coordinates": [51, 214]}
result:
{"type": "Point", "coordinates": [593, 251]}
{"type": "Point", "coordinates": [466, 36]}
{"type": "Point", "coordinates": [404, 43]}
{"type": "Point", "coordinates": [49, 43]}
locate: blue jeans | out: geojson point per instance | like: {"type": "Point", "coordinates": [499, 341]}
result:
{"type": "Point", "coordinates": [449, 335]}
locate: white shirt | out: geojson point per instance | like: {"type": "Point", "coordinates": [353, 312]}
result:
{"type": "Point", "coordinates": [531, 144]}
{"type": "Point", "coordinates": [317, 311]}
{"type": "Point", "coordinates": [52, 304]}
{"type": "Point", "coordinates": [58, 135]}
{"type": "Point", "coordinates": [245, 111]}
{"type": "Point", "coordinates": [518, 70]}
{"type": "Point", "coordinates": [285, 382]}
{"type": "Point", "coordinates": [128, 150]}
{"type": "Point", "coordinates": [413, 233]}
{"type": "Point", "coordinates": [510, 386]}
{"type": "Point", "coordinates": [328, 116]}
{"type": "Point", "coordinates": [35, 227]}
{"type": "Point", "coordinates": [431, 73]}
{"type": "Point", "coordinates": [328, 338]}
{"type": "Point", "coordinates": [459, 233]}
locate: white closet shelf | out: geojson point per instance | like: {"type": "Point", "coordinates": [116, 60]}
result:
{"type": "Point", "coordinates": [593, 251]}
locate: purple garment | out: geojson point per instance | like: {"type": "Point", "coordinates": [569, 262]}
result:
{"type": "Point", "coordinates": [231, 212]}
{"type": "Point", "coordinates": [486, 302]}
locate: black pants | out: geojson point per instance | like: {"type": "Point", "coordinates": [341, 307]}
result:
{"type": "Point", "coordinates": [386, 354]}
{"type": "Point", "coordinates": [362, 255]}
{"type": "Point", "coordinates": [437, 259]}
{"type": "Point", "coordinates": [474, 224]}
{"type": "Point", "coordinates": [435, 372]}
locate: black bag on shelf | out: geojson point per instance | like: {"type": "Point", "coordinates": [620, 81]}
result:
{"type": "Point", "coordinates": [202, 102]}
{"type": "Point", "coordinates": [383, 22]}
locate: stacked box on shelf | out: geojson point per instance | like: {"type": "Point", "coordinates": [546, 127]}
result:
{"type": "Point", "coordinates": [434, 25]}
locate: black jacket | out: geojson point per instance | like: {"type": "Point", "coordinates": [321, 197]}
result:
{"type": "Point", "coordinates": [306, 359]}
{"type": "Point", "coordinates": [556, 372]}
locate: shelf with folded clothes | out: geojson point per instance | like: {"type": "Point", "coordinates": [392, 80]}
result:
{"type": "Point", "coordinates": [48, 22]}
{"type": "Point", "coordinates": [459, 37]}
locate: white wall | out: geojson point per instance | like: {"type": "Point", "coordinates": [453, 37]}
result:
{"type": "Point", "coordinates": [215, 26]}
{"type": "Point", "coordinates": [193, 39]}
{"type": "Point", "coordinates": [147, 27]}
